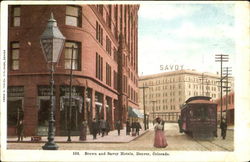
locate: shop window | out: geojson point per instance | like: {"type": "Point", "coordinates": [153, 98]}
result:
{"type": "Point", "coordinates": [73, 16]}
{"type": "Point", "coordinates": [14, 112]}
{"type": "Point", "coordinates": [69, 48]}
{"type": "Point", "coordinates": [15, 56]}
{"type": "Point", "coordinates": [16, 16]}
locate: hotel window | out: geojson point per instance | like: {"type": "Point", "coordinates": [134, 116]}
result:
{"type": "Point", "coordinates": [110, 16]}
{"type": "Point", "coordinates": [99, 33]}
{"type": "Point", "coordinates": [16, 16]}
{"type": "Point", "coordinates": [108, 45]}
{"type": "Point", "coordinates": [99, 66]}
{"type": "Point", "coordinates": [115, 79]}
{"type": "Point", "coordinates": [73, 16]}
{"type": "Point", "coordinates": [69, 48]}
{"type": "Point", "coordinates": [15, 56]}
{"type": "Point", "coordinates": [100, 9]}
{"type": "Point", "coordinates": [108, 74]}
{"type": "Point", "coordinates": [115, 54]}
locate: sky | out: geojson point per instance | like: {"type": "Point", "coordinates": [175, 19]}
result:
{"type": "Point", "coordinates": [185, 34]}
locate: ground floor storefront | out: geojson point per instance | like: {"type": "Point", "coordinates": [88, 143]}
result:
{"type": "Point", "coordinates": [30, 101]}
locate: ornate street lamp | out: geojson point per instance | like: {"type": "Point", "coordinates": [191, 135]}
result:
{"type": "Point", "coordinates": [52, 42]}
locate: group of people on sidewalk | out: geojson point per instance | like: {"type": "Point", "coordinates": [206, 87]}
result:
{"type": "Point", "coordinates": [133, 127]}
{"type": "Point", "coordinates": [102, 127]}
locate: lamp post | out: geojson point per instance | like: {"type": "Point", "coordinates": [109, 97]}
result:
{"type": "Point", "coordinates": [153, 110]}
{"type": "Point", "coordinates": [52, 42]}
{"type": "Point", "coordinates": [144, 111]}
{"type": "Point", "coordinates": [70, 95]}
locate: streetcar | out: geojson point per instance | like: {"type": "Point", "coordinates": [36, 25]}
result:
{"type": "Point", "coordinates": [199, 117]}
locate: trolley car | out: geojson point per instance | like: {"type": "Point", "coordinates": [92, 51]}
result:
{"type": "Point", "coordinates": [199, 117]}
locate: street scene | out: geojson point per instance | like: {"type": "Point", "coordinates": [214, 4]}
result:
{"type": "Point", "coordinates": [144, 142]}
{"type": "Point", "coordinates": [137, 77]}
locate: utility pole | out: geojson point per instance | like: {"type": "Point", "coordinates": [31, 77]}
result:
{"type": "Point", "coordinates": [153, 110]}
{"type": "Point", "coordinates": [144, 110]}
{"type": "Point", "coordinates": [221, 58]}
{"type": "Point", "coordinates": [226, 71]}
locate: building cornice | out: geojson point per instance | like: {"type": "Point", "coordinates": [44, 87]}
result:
{"type": "Point", "coordinates": [179, 72]}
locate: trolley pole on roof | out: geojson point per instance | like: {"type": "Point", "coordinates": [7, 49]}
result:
{"type": "Point", "coordinates": [221, 58]}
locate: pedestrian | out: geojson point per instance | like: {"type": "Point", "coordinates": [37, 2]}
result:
{"type": "Point", "coordinates": [99, 126]}
{"type": "Point", "coordinates": [20, 129]}
{"type": "Point", "coordinates": [133, 128]}
{"type": "Point", "coordinates": [95, 128]}
{"type": "Point", "coordinates": [160, 139]}
{"type": "Point", "coordinates": [128, 128]}
{"type": "Point", "coordinates": [107, 128]}
{"type": "Point", "coordinates": [137, 127]}
{"type": "Point", "coordinates": [118, 126]}
{"type": "Point", "coordinates": [223, 127]}
{"type": "Point", "coordinates": [180, 124]}
{"type": "Point", "coordinates": [103, 126]}
{"type": "Point", "coordinates": [83, 130]}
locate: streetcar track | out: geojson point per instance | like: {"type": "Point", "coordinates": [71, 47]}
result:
{"type": "Point", "coordinates": [202, 145]}
{"type": "Point", "coordinates": [211, 143]}
{"type": "Point", "coordinates": [220, 146]}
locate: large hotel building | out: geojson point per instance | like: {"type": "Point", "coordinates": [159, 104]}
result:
{"type": "Point", "coordinates": [105, 65]}
{"type": "Point", "coordinates": [166, 92]}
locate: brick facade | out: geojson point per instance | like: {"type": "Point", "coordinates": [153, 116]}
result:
{"type": "Point", "coordinates": [119, 24]}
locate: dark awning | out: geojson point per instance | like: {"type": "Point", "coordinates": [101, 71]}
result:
{"type": "Point", "coordinates": [132, 112]}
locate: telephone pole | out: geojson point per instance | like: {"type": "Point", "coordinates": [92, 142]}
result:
{"type": "Point", "coordinates": [221, 58]}
{"type": "Point", "coordinates": [144, 110]}
{"type": "Point", "coordinates": [227, 71]}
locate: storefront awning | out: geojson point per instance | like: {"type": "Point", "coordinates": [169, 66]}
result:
{"type": "Point", "coordinates": [132, 112]}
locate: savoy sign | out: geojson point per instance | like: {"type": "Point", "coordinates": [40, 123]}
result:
{"type": "Point", "coordinates": [171, 67]}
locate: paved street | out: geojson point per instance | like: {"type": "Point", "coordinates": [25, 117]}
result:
{"type": "Point", "coordinates": [176, 141]}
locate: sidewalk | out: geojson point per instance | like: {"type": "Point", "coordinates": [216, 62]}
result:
{"type": "Point", "coordinates": [230, 127]}
{"type": "Point", "coordinates": [112, 137]}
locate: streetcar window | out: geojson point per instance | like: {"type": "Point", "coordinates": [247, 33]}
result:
{"type": "Point", "coordinates": [196, 114]}
{"type": "Point", "coordinates": [212, 113]}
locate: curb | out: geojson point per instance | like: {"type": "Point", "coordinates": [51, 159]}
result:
{"type": "Point", "coordinates": [78, 141]}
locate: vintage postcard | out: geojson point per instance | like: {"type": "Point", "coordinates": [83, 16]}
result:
{"type": "Point", "coordinates": [125, 81]}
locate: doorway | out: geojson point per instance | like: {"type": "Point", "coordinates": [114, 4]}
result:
{"type": "Point", "coordinates": [76, 116]}
{"type": "Point", "coordinates": [43, 117]}
{"type": "Point", "coordinates": [14, 113]}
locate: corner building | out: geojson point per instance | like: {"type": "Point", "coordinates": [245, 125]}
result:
{"type": "Point", "coordinates": [103, 39]}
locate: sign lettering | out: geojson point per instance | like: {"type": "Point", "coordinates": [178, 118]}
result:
{"type": "Point", "coordinates": [171, 67]}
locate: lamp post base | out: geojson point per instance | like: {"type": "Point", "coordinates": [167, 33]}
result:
{"type": "Point", "coordinates": [50, 146]}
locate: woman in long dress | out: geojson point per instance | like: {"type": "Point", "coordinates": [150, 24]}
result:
{"type": "Point", "coordinates": [160, 139]}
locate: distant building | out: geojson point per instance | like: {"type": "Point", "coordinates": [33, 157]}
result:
{"type": "Point", "coordinates": [168, 91]}
{"type": "Point", "coordinates": [105, 65]}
